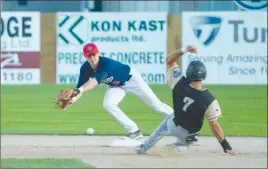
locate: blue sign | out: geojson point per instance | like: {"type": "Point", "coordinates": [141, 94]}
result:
{"type": "Point", "coordinates": [252, 5]}
{"type": "Point", "coordinates": [206, 28]}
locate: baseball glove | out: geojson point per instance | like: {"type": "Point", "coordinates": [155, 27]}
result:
{"type": "Point", "coordinates": [64, 98]}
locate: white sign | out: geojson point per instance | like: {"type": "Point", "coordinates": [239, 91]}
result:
{"type": "Point", "coordinates": [20, 31]}
{"type": "Point", "coordinates": [20, 76]}
{"type": "Point", "coordinates": [232, 45]}
{"type": "Point", "coordinates": [20, 48]}
{"type": "Point", "coordinates": [135, 39]}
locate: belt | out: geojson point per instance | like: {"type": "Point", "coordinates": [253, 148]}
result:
{"type": "Point", "coordinates": [128, 79]}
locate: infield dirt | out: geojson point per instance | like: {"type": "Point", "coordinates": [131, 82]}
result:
{"type": "Point", "coordinates": [96, 151]}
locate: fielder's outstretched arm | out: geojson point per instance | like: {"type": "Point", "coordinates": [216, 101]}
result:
{"type": "Point", "coordinates": [89, 85]}
{"type": "Point", "coordinates": [85, 85]}
{"type": "Point", "coordinates": [93, 82]}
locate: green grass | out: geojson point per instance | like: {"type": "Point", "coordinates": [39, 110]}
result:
{"type": "Point", "coordinates": [29, 110]}
{"type": "Point", "coordinates": [43, 163]}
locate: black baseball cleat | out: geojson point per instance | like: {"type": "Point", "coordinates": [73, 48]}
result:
{"type": "Point", "coordinates": [135, 135]}
{"type": "Point", "coordinates": [141, 149]}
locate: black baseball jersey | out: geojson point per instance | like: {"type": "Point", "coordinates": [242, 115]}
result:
{"type": "Point", "coordinates": [190, 105]}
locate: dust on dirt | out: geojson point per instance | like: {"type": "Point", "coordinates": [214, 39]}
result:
{"type": "Point", "coordinates": [96, 151]}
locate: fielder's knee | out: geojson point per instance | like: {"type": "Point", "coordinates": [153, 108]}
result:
{"type": "Point", "coordinates": [109, 107]}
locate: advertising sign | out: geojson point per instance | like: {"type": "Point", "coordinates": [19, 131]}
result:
{"type": "Point", "coordinates": [135, 39]}
{"type": "Point", "coordinates": [20, 47]}
{"type": "Point", "coordinates": [232, 45]}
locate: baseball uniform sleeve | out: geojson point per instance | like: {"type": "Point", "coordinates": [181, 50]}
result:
{"type": "Point", "coordinates": [214, 111]}
{"type": "Point", "coordinates": [84, 75]}
{"type": "Point", "coordinates": [82, 78]}
{"type": "Point", "coordinates": [173, 76]}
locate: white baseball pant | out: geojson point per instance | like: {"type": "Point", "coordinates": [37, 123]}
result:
{"type": "Point", "coordinates": [136, 86]}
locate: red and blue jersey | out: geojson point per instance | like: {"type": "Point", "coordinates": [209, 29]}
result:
{"type": "Point", "coordinates": [109, 71]}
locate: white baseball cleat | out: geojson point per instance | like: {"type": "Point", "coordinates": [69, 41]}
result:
{"type": "Point", "coordinates": [135, 135]}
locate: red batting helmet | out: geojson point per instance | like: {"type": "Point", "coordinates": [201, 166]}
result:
{"type": "Point", "coordinates": [90, 49]}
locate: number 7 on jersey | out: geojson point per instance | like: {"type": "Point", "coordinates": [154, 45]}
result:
{"type": "Point", "coordinates": [188, 101]}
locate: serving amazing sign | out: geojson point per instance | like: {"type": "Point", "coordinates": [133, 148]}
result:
{"type": "Point", "coordinates": [232, 45]}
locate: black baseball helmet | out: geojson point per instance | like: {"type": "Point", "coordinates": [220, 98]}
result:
{"type": "Point", "coordinates": [196, 71]}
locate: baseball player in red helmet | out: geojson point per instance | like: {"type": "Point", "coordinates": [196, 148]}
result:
{"type": "Point", "coordinates": [121, 79]}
